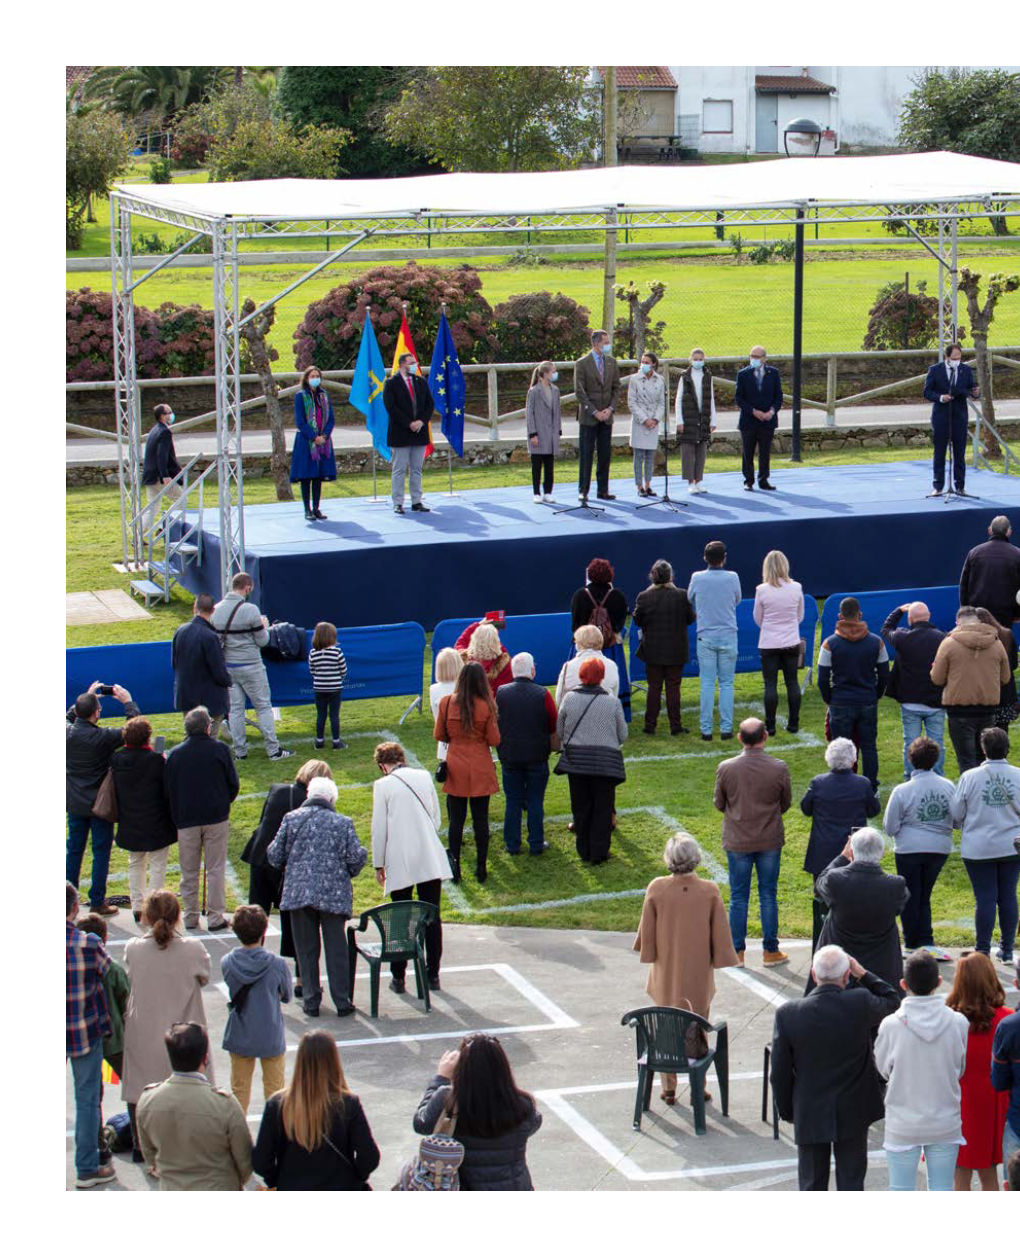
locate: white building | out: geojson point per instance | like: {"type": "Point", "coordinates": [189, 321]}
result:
{"type": "Point", "coordinates": [744, 109]}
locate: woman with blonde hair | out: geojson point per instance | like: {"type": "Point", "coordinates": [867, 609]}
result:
{"type": "Point", "coordinates": [480, 643]}
{"type": "Point", "coordinates": [778, 612]}
{"type": "Point", "coordinates": [646, 401]}
{"type": "Point", "coordinates": [167, 973]}
{"type": "Point", "coordinates": [314, 1134]}
{"type": "Point", "coordinates": [695, 419]}
{"type": "Point", "coordinates": [544, 428]}
{"type": "Point", "coordinates": [449, 664]}
{"type": "Point", "coordinates": [978, 994]}
{"type": "Point", "coordinates": [265, 883]}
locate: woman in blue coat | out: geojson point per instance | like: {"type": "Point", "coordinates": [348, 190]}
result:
{"type": "Point", "coordinates": [313, 459]}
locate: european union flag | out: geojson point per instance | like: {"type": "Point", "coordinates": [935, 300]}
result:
{"type": "Point", "coordinates": [367, 388]}
{"type": "Point", "coordinates": [446, 383]}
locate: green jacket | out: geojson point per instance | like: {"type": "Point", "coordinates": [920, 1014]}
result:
{"type": "Point", "coordinates": [116, 987]}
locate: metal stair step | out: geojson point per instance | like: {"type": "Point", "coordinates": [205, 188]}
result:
{"type": "Point", "coordinates": [147, 590]}
{"type": "Point", "coordinates": [183, 547]}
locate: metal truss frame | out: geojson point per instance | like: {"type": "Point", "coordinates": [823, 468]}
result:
{"type": "Point", "coordinates": [228, 234]}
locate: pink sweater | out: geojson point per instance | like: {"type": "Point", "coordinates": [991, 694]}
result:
{"type": "Point", "coordinates": [778, 613]}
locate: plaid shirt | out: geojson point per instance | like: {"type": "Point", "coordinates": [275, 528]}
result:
{"type": "Point", "coordinates": [88, 1020]}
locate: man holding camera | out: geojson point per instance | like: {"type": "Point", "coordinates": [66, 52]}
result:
{"type": "Point", "coordinates": [89, 751]}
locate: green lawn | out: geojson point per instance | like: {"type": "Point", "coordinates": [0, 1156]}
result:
{"type": "Point", "coordinates": [669, 779]}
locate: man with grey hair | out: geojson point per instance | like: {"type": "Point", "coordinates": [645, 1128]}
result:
{"type": "Point", "coordinates": [910, 681]}
{"type": "Point", "coordinates": [527, 726]}
{"type": "Point", "coordinates": [823, 1071]}
{"type": "Point", "coordinates": [991, 573]}
{"type": "Point", "coordinates": [201, 782]}
{"type": "Point", "coordinates": [864, 903]}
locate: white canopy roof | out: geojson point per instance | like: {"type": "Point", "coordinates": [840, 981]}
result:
{"type": "Point", "coordinates": [894, 180]}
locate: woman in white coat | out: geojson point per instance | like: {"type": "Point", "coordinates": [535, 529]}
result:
{"type": "Point", "coordinates": [646, 400]}
{"type": "Point", "coordinates": [406, 851]}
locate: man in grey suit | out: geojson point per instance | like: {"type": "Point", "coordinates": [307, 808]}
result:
{"type": "Point", "coordinates": [597, 385]}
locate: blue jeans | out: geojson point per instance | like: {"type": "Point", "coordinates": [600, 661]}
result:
{"type": "Point", "coordinates": [994, 882]}
{"type": "Point", "coordinates": [741, 865]}
{"type": "Point", "coordinates": [87, 1071]}
{"type": "Point", "coordinates": [934, 727]}
{"type": "Point", "coordinates": [845, 721]}
{"type": "Point", "coordinates": [1010, 1143]}
{"type": "Point", "coordinates": [939, 1167]}
{"type": "Point", "coordinates": [717, 660]}
{"type": "Point", "coordinates": [524, 786]}
{"type": "Point", "coordinates": [102, 842]}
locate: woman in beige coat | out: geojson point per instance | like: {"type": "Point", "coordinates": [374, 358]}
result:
{"type": "Point", "coordinates": [167, 974]}
{"type": "Point", "coordinates": [684, 934]}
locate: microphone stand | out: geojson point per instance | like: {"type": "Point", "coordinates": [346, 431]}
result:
{"type": "Point", "coordinates": [665, 499]}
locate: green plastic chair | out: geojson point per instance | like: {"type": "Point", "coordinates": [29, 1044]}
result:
{"type": "Point", "coordinates": [401, 928]}
{"type": "Point", "coordinates": [661, 1033]}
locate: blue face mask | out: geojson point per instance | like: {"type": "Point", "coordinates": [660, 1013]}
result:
{"type": "Point", "coordinates": [413, 368]}
{"type": "Point", "coordinates": [314, 381]}
{"type": "Point", "coordinates": [554, 376]}
{"type": "Point", "coordinates": [757, 363]}
{"type": "Point", "coordinates": [646, 368]}
{"type": "Point", "coordinates": [170, 417]}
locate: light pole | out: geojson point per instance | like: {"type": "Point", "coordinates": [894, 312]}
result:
{"type": "Point", "coordinates": [801, 138]}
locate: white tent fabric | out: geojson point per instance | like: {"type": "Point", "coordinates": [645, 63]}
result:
{"type": "Point", "coordinates": [900, 179]}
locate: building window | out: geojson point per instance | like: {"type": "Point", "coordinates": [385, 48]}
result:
{"type": "Point", "coordinates": [717, 117]}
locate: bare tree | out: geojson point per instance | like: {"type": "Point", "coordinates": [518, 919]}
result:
{"type": "Point", "coordinates": [980, 320]}
{"type": "Point", "coordinates": [639, 310]}
{"type": "Point", "coordinates": [254, 334]}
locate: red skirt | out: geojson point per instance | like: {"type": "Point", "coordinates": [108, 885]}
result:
{"type": "Point", "coordinates": [982, 1108]}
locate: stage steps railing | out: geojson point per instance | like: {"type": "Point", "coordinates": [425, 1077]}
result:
{"type": "Point", "coordinates": [172, 541]}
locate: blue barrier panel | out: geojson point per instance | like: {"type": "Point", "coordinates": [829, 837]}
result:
{"type": "Point", "coordinates": [942, 600]}
{"type": "Point", "coordinates": [748, 658]}
{"type": "Point", "coordinates": [547, 637]}
{"type": "Point", "coordinates": [383, 661]}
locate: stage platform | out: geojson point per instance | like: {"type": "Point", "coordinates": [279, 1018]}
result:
{"type": "Point", "coordinates": [843, 528]}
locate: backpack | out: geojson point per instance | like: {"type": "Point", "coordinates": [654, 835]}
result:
{"type": "Point", "coordinates": [117, 1132]}
{"type": "Point", "coordinates": [287, 644]}
{"type": "Point", "coordinates": [600, 617]}
{"type": "Point", "coordinates": [436, 1167]}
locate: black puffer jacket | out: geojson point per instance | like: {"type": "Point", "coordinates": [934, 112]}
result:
{"type": "Point", "coordinates": [143, 816]}
{"type": "Point", "coordinates": [89, 750]}
{"type": "Point", "coordinates": [490, 1164]}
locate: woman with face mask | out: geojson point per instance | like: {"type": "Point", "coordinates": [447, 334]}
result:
{"type": "Point", "coordinates": [544, 428]}
{"type": "Point", "coordinates": [695, 420]}
{"type": "Point", "coordinates": [313, 459]}
{"type": "Point", "coordinates": [646, 400]}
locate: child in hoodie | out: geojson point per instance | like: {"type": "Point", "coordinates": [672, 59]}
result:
{"type": "Point", "coordinates": [921, 1050]}
{"type": "Point", "coordinates": [258, 982]}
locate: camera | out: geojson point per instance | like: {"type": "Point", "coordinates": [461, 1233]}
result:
{"type": "Point", "coordinates": [105, 690]}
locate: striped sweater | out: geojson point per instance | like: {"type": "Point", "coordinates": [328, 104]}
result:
{"type": "Point", "coordinates": [328, 668]}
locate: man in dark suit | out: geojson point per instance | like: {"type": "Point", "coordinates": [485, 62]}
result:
{"type": "Point", "coordinates": [823, 1071]}
{"type": "Point", "coordinates": [160, 464]}
{"type": "Point", "coordinates": [991, 574]}
{"type": "Point", "coordinates": [759, 396]}
{"type": "Point", "coordinates": [864, 903]}
{"type": "Point", "coordinates": [409, 407]}
{"type": "Point", "coordinates": [201, 677]}
{"type": "Point", "coordinates": [947, 387]}
{"type": "Point", "coordinates": [597, 385]}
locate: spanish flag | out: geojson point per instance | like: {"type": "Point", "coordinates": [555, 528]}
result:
{"type": "Point", "coordinates": [110, 1078]}
{"type": "Point", "coordinates": [406, 345]}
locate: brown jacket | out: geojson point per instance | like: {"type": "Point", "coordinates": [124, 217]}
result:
{"type": "Point", "coordinates": [684, 934]}
{"type": "Point", "coordinates": [195, 1136]}
{"type": "Point", "coordinates": [752, 791]}
{"type": "Point", "coordinates": [594, 393]}
{"type": "Point", "coordinates": [972, 665]}
{"type": "Point", "coordinates": [470, 770]}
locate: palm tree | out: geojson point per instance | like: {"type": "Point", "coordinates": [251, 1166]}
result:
{"type": "Point", "coordinates": [160, 90]}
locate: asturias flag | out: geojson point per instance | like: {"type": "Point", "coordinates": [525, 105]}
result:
{"type": "Point", "coordinates": [446, 383]}
{"type": "Point", "coordinates": [367, 388]}
{"type": "Point", "coordinates": [406, 345]}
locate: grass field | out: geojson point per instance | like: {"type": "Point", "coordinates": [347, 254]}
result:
{"type": "Point", "coordinates": [669, 779]}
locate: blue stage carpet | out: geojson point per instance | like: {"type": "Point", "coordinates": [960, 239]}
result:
{"type": "Point", "coordinates": [842, 528]}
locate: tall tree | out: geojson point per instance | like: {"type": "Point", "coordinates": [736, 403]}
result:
{"type": "Point", "coordinates": [965, 111]}
{"type": "Point", "coordinates": [499, 117]}
{"type": "Point", "coordinates": [981, 316]}
{"type": "Point", "coordinates": [354, 98]}
{"type": "Point", "coordinates": [160, 90]}
{"type": "Point", "coordinates": [97, 150]}
{"type": "Point", "coordinates": [261, 357]}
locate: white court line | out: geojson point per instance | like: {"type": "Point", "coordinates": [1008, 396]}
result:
{"type": "Point", "coordinates": [756, 987]}
{"type": "Point", "coordinates": [801, 741]}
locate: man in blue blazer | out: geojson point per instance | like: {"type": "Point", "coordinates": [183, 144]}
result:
{"type": "Point", "coordinates": [760, 398]}
{"type": "Point", "coordinates": [947, 387]}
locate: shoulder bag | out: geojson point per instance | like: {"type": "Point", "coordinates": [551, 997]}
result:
{"type": "Point", "coordinates": [363, 1185]}
{"type": "Point", "coordinates": [442, 771]}
{"type": "Point", "coordinates": [589, 760]}
{"type": "Point", "coordinates": [105, 806]}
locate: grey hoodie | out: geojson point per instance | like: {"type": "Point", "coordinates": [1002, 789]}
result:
{"type": "Point", "coordinates": [986, 809]}
{"type": "Point", "coordinates": [257, 1030]}
{"type": "Point", "coordinates": [922, 1050]}
{"type": "Point", "coordinates": [919, 814]}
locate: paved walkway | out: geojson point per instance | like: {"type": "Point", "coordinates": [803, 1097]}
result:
{"type": "Point", "coordinates": [93, 450]}
{"type": "Point", "coordinates": [555, 997]}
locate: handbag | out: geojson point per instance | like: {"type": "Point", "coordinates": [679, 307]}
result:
{"type": "Point", "coordinates": [695, 1038]}
{"type": "Point", "coordinates": [442, 770]}
{"type": "Point", "coordinates": [105, 806]}
{"type": "Point", "coordinates": [564, 764]}
{"type": "Point", "coordinates": [436, 1166]}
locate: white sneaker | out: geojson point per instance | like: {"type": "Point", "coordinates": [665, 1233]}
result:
{"type": "Point", "coordinates": [537, 499]}
{"type": "Point", "coordinates": [547, 497]}
{"type": "Point", "coordinates": [692, 488]}
{"type": "Point", "coordinates": [701, 488]}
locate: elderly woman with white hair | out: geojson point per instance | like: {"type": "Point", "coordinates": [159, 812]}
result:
{"type": "Point", "coordinates": [864, 903]}
{"type": "Point", "coordinates": [588, 644]}
{"type": "Point", "coordinates": [319, 852]}
{"type": "Point", "coordinates": [684, 934]}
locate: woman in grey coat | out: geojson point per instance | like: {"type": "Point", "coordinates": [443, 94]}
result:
{"type": "Point", "coordinates": [544, 428]}
{"type": "Point", "coordinates": [319, 852]}
{"type": "Point", "coordinates": [646, 400]}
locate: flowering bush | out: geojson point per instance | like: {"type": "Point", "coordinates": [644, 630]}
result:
{"type": "Point", "coordinates": [330, 332]}
{"type": "Point", "coordinates": [187, 340]}
{"type": "Point", "coordinates": [533, 326]}
{"type": "Point", "coordinates": [170, 342]}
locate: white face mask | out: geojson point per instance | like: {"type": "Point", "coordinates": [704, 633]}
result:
{"type": "Point", "coordinates": [554, 376]}
{"type": "Point", "coordinates": [314, 381]}
{"type": "Point", "coordinates": [697, 366]}
{"type": "Point", "coordinates": [757, 363]}
{"type": "Point", "coordinates": [646, 368]}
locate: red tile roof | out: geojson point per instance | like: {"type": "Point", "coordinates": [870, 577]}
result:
{"type": "Point", "coordinates": [645, 77]}
{"type": "Point", "coordinates": [77, 74]}
{"type": "Point", "coordinates": [793, 83]}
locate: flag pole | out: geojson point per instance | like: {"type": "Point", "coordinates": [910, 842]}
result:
{"type": "Point", "coordinates": [375, 456]}
{"type": "Point", "coordinates": [449, 450]}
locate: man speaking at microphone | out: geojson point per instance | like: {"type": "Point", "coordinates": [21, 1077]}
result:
{"type": "Point", "coordinates": [947, 387]}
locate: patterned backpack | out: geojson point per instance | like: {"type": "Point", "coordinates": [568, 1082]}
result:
{"type": "Point", "coordinates": [437, 1164]}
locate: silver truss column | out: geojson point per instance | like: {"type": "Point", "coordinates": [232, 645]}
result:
{"type": "Point", "coordinates": [947, 277]}
{"type": "Point", "coordinates": [125, 381]}
{"type": "Point", "coordinates": [228, 402]}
